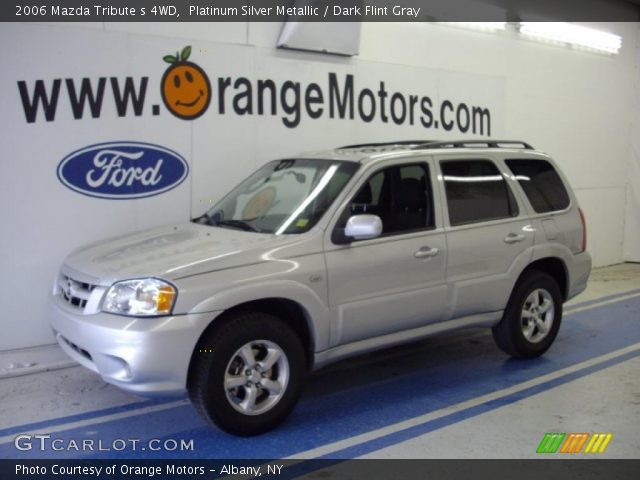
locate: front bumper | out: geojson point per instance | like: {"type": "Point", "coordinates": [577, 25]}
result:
{"type": "Point", "coordinates": [145, 356]}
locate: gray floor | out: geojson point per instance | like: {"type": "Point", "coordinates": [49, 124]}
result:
{"type": "Point", "coordinates": [605, 401]}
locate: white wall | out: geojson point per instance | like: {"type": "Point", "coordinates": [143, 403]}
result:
{"type": "Point", "coordinates": [574, 105]}
{"type": "Point", "coordinates": [632, 226]}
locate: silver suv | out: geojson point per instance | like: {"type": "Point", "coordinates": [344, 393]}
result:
{"type": "Point", "coordinates": [323, 256]}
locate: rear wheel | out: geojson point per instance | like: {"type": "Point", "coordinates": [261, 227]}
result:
{"type": "Point", "coordinates": [532, 318]}
{"type": "Point", "coordinates": [247, 375]}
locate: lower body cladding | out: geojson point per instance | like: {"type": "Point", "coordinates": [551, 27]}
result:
{"type": "Point", "coordinates": [145, 356]}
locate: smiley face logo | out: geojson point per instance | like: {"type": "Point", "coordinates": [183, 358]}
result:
{"type": "Point", "coordinates": [185, 87]}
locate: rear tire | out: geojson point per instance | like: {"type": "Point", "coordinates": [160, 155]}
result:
{"type": "Point", "coordinates": [532, 318]}
{"type": "Point", "coordinates": [247, 375]}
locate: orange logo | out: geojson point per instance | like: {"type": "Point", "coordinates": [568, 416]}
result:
{"type": "Point", "coordinates": [185, 87]}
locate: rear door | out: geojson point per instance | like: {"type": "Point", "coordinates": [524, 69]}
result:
{"type": "Point", "coordinates": [553, 213]}
{"type": "Point", "coordinates": [489, 237]}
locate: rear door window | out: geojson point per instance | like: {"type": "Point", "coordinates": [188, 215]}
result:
{"type": "Point", "coordinates": [476, 192]}
{"type": "Point", "coordinates": [541, 184]}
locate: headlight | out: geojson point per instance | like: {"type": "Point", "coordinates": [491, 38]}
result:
{"type": "Point", "coordinates": [140, 297]}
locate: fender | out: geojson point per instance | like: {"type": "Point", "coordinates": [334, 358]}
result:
{"type": "Point", "coordinates": [532, 254]}
{"type": "Point", "coordinates": [561, 252]}
{"type": "Point", "coordinates": [552, 250]}
{"type": "Point", "coordinates": [316, 313]}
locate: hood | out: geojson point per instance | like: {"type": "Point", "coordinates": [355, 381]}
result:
{"type": "Point", "coordinates": [172, 252]}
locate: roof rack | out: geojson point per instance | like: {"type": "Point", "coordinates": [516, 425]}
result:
{"type": "Point", "coordinates": [474, 143]}
{"type": "Point", "coordinates": [387, 144]}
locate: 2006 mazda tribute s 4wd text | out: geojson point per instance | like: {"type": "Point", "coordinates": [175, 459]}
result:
{"type": "Point", "coordinates": [323, 256]}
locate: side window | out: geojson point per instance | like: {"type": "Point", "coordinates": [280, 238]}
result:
{"type": "Point", "coordinates": [476, 192]}
{"type": "Point", "coordinates": [411, 202]}
{"type": "Point", "coordinates": [541, 183]}
{"type": "Point", "coordinates": [367, 200]}
{"type": "Point", "coordinates": [401, 196]}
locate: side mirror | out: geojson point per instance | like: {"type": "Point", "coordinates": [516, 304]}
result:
{"type": "Point", "coordinates": [363, 227]}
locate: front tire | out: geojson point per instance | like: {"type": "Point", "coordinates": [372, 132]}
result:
{"type": "Point", "coordinates": [532, 318]}
{"type": "Point", "coordinates": [246, 375]}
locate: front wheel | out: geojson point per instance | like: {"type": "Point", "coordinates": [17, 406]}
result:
{"type": "Point", "coordinates": [532, 318]}
{"type": "Point", "coordinates": [247, 375]}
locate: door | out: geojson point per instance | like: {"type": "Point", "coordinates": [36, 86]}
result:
{"type": "Point", "coordinates": [489, 240]}
{"type": "Point", "coordinates": [397, 281]}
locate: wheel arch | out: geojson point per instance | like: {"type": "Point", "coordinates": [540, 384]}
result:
{"type": "Point", "coordinates": [290, 311]}
{"type": "Point", "coordinates": [553, 266]}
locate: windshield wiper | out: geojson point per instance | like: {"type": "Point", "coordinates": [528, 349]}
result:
{"type": "Point", "coordinates": [203, 219]}
{"type": "Point", "coordinates": [241, 224]}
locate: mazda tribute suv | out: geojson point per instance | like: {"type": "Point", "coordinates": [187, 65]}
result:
{"type": "Point", "coordinates": [323, 256]}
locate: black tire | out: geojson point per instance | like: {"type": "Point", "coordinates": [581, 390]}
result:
{"type": "Point", "coordinates": [216, 354]}
{"type": "Point", "coordinates": [509, 333]}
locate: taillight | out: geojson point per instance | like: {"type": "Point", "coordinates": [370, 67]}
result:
{"type": "Point", "coordinates": [584, 230]}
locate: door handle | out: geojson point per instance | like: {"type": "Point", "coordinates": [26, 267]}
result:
{"type": "Point", "coordinates": [426, 252]}
{"type": "Point", "coordinates": [514, 238]}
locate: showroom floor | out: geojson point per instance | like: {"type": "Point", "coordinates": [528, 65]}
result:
{"type": "Point", "coordinates": [454, 396]}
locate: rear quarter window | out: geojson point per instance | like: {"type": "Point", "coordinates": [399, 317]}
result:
{"type": "Point", "coordinates": [541, 184]}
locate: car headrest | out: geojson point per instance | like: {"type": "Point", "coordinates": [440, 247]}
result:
{"type": "Point", "coordinates": [410, 195]}
{"type": "Point", "coordinates": [364, 195]}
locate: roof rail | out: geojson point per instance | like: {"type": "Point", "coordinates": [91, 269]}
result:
{"type": "Point", "coordinates": [387, 144]}
{"type": "Point", "coordinates": [474, 143]}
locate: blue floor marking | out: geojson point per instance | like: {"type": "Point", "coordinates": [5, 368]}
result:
{"type": "Point", "coordinates": [341, 403]}
{"type": "Point", "coordinates": [81, 416]}
{"type": "Point", "coordinates": [409, 433]}
{"type": "Point", "coordinates": [429, 426]}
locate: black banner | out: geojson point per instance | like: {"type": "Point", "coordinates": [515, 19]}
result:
{"type": "Point", "coordinates": [319, 469]}
{"type": "Point", "coordinates": [316, 10]}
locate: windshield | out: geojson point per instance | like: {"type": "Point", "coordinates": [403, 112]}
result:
{"type": "Point", "coordinates": [282, 197]}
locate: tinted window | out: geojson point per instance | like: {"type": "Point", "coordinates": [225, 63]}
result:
{"type": "Point", "coordinates": [400, 196]}
{"type": "Point", "coordinates": [541, 183]}
{"type": "Point", "coordinates": [476, 192]}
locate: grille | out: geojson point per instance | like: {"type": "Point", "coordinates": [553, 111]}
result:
{"type": "Point", "coordinates": [74, 292]}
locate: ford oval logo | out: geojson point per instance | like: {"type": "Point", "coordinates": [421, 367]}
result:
{"type": "Point", "coordinates": [122, 170]}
